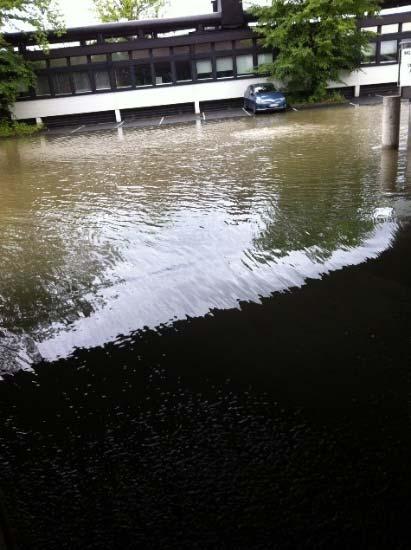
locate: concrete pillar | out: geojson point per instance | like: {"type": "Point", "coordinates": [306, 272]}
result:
{"type": "Point", "coordinates": [357, 91]}
{"type": "Point", "coordinates": [389, 170]}
{"type": "Point", "coordinates": [39, 121]}
{"type": "Point", "coordinates": [197, 107]}
{"type": "Point", "coordinates": [391, 122]}
{"type": "Point", "coordinates": [118, 115]}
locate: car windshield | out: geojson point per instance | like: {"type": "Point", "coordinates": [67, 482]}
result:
{"type": "Point", "coordinates": [264, 88]}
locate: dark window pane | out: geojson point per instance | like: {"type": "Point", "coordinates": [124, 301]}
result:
{"type": "Point", "coordinates": [245, 64]}
{"type": "Point", "coordinates": [225, 67]}
{"type": "Point", "coordinates": [79, 60]}
{"type": "Point", "coordinates": [244, 44]}
{"type": "Point", "coordinates": [389, 50]}
{"type": "Point", "coordinates": [101, 58]}
{"type": "Point", "coordinates": [143, 75]}
{"type": "Point", "coordinates": [161, 52]}
{"type": "Point", "coordinates": [369, 53]}
{"type": "Point", "coordinates": [58, 62]}
{"type": "Point", "coordinates": [61, 82]}
{"type": "Point", "coordinates": [228, 45]}
{"type": "Point", "coordinates": [204, 69]}
{"type": "Point", "coordinates": [183, 70]}
{"type": "Point", "coordinates": [81, 82]}
{"type": "Point", "coordinates": [42, 85]}
{"type": "Point", "coordinates": [23, 90]}
{"type": "Point", "coordinates": [265, 58]}
{"type": "Point", "coordinates": [119, 56]}
{"type": "Point", "coordinates": [123, 77]}
{"type": "Point", "coordinates": [102, 80]}
{"type": "Point", "coordinates": [163, 73]}
{"type": "Point", "coordinates": [40, 64]}
{"type": "Point", "coordinates": [181, 50]}
{"type": "Point", "coordinates": [140, 54]}
{"type": "Point", "coordinates": [202, 48]}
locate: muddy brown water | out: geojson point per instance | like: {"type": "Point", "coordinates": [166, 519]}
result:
{"type": "Point", "coordinates": [223, 312]}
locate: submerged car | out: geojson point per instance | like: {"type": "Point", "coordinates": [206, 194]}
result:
{"type": "Point", "coordinates": [264, 97]}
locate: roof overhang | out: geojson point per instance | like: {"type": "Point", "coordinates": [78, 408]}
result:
{"type": "Point", "coordinates": [123, 28]}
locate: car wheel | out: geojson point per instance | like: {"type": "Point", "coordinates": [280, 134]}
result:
{"type": "Point", "coordinates": [254, 109]}
{"type": "Point", "coordinates": [245, 104]}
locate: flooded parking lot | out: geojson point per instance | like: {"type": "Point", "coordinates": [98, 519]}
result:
{"type": "Point", "coordinates": [106, 233]}
{"type": "Point", "coordinates": [208, 304]}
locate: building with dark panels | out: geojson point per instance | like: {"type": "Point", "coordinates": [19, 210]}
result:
{"type": "Point", "coordinates": [119, 70]}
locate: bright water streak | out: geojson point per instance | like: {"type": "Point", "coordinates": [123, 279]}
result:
{"type": "Point", "coordinates": [103, 233]}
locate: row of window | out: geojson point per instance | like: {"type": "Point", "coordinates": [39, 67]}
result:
{"type": "Point", "coordinates": [144, 74]}
{"type": "Point", "coordinates": [388, 52]}
{"type": "Point", "coordinates": [380, 29]}
{"type": "Point", "coordinates": [389, 29]}
{"type": "Point", "coordinates": [205, 48]}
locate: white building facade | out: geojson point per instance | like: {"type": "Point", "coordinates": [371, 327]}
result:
{"type": "Point", "coordinates": [115, 71]}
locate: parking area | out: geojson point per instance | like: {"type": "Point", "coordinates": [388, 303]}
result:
{"type": "Point", "coordinates": [210, 115]}
{"type": "Point", "coordinates": [153, 121]}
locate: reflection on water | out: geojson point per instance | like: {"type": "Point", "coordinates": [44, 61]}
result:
{"type": "Point", "coordinates": [101, 236]}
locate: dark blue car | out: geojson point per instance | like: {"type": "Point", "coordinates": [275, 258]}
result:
{"type": "Point", "coordinates": [264, 97]}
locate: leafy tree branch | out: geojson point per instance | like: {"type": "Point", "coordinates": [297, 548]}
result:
{"type": "Point", "coordinates": [314, 41]}
{"type": "Point", "coordinates": [130, 10]}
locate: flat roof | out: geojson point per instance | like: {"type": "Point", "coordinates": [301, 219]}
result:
{"type": "Point", "coordinates": [163, 25]}
{"type": "Point", "coordinates": [118, 29]}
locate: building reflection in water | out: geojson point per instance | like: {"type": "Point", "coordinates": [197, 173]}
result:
{"type": "Point", "coordinates": [105, 233]}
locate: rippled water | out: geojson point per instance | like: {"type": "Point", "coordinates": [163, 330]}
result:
{"type": "Point", "coordinates": [106, 233]}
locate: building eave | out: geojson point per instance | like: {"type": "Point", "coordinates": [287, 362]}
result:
{"type": "Point", "coordinates": [123, 28]}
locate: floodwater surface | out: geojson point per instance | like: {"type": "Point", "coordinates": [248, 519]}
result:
{"type": "Point", "coordinates": [224, 315]}
{"type": "Point", "coordinates": [103, 234]}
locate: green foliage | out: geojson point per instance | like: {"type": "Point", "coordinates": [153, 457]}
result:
{"type": "Point", "coordinates": [314, 41]}
{"type": "Point", "coordinates": [130, 10]}
{"type": "Point", "coordinates": [15, 72]}
{"type": "Point", "coordinates": [14, 129]}
{"type": "Point", "coordinates": [330, 98]}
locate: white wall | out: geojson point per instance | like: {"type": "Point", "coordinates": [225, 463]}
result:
{"type": "Point", "coordinates": [143, 97]}
{"type": "Point", "coordinates": [379, 74]}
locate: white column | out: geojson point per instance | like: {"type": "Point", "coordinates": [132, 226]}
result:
{"type": "Point", "coordinates": [118, 115]}
{"type": "Point", "coordinates": [39, 121]}
{"type": "Point", "coordinates": [197, 107]}
{"type": "Point", "coordinates": [357, 90]}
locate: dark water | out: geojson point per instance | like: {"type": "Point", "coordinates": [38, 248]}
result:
{"type": "Point", "coordinates": [251, 306]}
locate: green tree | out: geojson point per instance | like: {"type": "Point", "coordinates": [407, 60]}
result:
{"type": "Point", "coordinates": [15, 72]}
{"type": "Point", "coordinates": [314, 41]}
{"type": "Point", "coordinates": [130, 10]}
